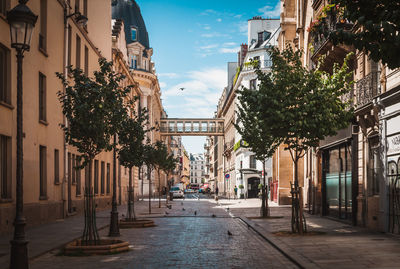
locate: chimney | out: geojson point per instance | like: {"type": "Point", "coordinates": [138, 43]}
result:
{"type": "Point", "coordinates": [243, 52]}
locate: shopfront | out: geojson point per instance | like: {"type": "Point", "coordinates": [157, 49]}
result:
{"type": "Point", "coordinates": [337, 177]}
{"type": "Point", "coordinates": [337, 181]}
{"type": "Point", "coordinates": [390, 120]}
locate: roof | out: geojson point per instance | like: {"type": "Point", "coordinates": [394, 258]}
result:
{"type": "Point", "coordinates": [129, 12]}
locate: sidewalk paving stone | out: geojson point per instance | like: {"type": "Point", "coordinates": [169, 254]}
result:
{"type": "Point", "coordinates": [340, 246]}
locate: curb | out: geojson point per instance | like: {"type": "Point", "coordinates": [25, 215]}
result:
{"type": "Point", "coordinates": [291, 254]}
{"type": "Point", "coordinates": [284, 249]}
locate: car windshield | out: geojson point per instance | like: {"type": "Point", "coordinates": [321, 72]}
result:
{"type": "Point", "coordinates": [175, 189]}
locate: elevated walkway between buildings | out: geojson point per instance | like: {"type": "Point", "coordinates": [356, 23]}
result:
{"type": "Point", "coordinates": [191, 127]}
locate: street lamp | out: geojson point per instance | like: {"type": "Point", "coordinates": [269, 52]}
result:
{"type": "Point", "coordinates": [21, 20]}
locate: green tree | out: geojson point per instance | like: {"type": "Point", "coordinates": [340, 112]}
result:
{"type": "Point", "coordinates": [300, 107]}
{"type": "Point", "coordinates": [149, 159]}
{"type": "Point", "coordinates": [168, 167]}
{"type": "Point", "coordinates": [376, 31]}
{"type": "Point", "coordinates": [258, 136]}
{"type": "Point", "coordinates": [161, 156]}
{"type": "Point", "coordinates": [131, 150]}
{"type": "Point", "coordinates": [93, 108]}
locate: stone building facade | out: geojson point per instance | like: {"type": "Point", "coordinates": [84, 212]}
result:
{"type": "Point", "coordinates": [53, 188]}
{"type": "Point", "coordinates": [351, 176]}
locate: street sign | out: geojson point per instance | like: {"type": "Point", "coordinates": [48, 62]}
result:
{"type": "Point", "coordinates": [227, 176]}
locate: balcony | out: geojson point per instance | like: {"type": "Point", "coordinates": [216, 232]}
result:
{"type": "Point", "coordinates": [266, 64]}
{"type": "Point", "coordinates": [321, 44]}
{"type": "Point", "coordinates": [367, 89]}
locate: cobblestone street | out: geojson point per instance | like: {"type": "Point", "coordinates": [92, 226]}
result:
{"type": "Point", "coordinates": [183, 240]}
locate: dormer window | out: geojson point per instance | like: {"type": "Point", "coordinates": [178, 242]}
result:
{"type": "Point", "coordinates": [134, 33]}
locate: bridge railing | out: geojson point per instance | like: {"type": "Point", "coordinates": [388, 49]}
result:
{"type": "Point", "coordinates": [191, 126]}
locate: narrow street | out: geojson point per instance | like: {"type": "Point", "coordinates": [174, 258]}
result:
{"type": "Point", "coordinates": [182, 239]}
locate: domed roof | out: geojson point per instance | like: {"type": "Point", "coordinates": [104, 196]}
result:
{"type": "Point", "coordinates": [129, 12]}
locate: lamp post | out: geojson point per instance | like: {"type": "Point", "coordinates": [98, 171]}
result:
{"type": "Point", "coordinates": [114, 227]}
{"type": "Point", "coordinates": [21, 20]}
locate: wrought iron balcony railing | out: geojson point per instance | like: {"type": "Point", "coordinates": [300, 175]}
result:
{"type": "Point", "coordinates": [330, 23]}
{"type": "Point", "coordinates": [367, 88]}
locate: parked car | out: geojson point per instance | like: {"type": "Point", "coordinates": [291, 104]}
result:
{"type": "Point", "coordinates": [177, 192]}
{"type": "Point", "coordinates": [189, 191]}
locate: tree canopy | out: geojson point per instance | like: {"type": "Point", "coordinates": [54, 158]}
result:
{"type": "Point", "coordinates": [131, 140]}
{"type": "Point", "coordinates": [94, 109]}
{"type": "Point", "coordinates": [296, 106]}
{"type": "Point", "coordinates": [376, 31]}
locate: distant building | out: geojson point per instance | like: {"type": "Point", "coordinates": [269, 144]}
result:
{"type": "Point", "coordinates": [196, 168]}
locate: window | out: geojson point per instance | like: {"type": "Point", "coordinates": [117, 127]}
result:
{"type": "Point", "coordinates": [70, 171]}
{"type": "Point", "coordinates": [5, 166]}
{"type": "Point", "coordinates": [108, 178]}
{"type": "Point", "coordinates": [96, 177]}
{"type": "Point", "coordinates": [77, 4]}
{"type": "Point", "coordinates": [260, 37]}
{"type": "Point", "coordinates": [374, 165]}
{"type": "Point", "coordinates": [42, 97]}
{"type": "Point", "coordinates": [257, 60]}
{"type": "Point", "coordinates": [78, 177]}
{"type": "Point", "coordinates": [102, 178]}
{"type": "Point", "coordinates": [43, 25]}
{"type": "Point", "coordinates": [69, 44]}
{"type": "Point", "coordinates": [56, 166]}
{"type": "Point", "coordinates": [87, 175]}
{"type": "Point", "coordinates": [4, 7]}
{"type": "Point", "coordinates": [253, 84]}
{"type": "Point", "coordinates": [85, 8]}
{"type": "Point", "coordinates": [86, 61]}
{"type": "Point", "coordinates": [43, 172]}
{"type": "Point", "coordinates": [5, 75]}
{"type": "Point", "coordinates": [73, 172]}
{"type": "Point", "coordinates": [133, 33]}
{"type": "Point", "coordinates": [252, 163]}
{"type": "Point", "coordinates": [78, 52]}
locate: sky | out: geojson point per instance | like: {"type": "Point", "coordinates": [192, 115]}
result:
{"type": "Point", "coordinates": [192, 43]}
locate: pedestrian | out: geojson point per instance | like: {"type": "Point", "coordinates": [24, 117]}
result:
{"type": "Point", "coordinates": [216, 192]}
{"type": "Point", "coordinates": [235, 190]}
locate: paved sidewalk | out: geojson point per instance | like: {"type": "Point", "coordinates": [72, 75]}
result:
{"type": "Point", "coordinates": [339, 246]}
{"type": "Point", "coordinates": [46, 237]}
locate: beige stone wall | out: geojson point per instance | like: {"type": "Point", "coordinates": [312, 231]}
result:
{"type": "Point", "coordinates": [48, 133]}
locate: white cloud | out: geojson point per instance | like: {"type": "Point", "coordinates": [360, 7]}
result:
{"type": "Point", "coordinates": [207, 28]}
{"type": "Point", "coordinates": [229, 44]}
{"type": "Point", "coordinates": [168, 75]}
{"type": "Point", "coordinates": [208, 12]}
{"type": "Point", "coordinates": [209, 47]}
{"type": "Point", "coordinates": [243, 27]}
{"type": "Point", "coordinates": [229, 50]}
{"type": "Point", "coordinates": [271, 12]}
{"type": "Point", "coordinates": [210, 35]}
{"type": "Point", "coordinates": [219, 20]}
{"type": "Point", "coordinates": [238, 16]}
{"type": "Point", "coordinates": [200, 95]}
{"type": "Point", "coordinates": [163, 85]}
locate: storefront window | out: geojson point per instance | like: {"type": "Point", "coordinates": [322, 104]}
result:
{"type": "Point", "coordinates": [338, 181]}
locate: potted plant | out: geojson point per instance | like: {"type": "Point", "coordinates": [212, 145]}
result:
{"type": "Point", "coordinates": [241, 187]}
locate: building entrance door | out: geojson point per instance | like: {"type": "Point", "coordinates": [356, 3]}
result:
{"type": "Point", "coordinates": [252, 187]}
{"type": "Point", "coordinates": [338, 182]}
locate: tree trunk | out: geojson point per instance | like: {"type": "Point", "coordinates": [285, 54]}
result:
{"type": "Point", "coordinates": [90, 234]}
{"type": "Point", "coordinates": [131, 198]}
{"type": "Point", "coordinates": [149, 178]}
{"type": "Point", "coordinates": [159, 189]}
{"type": "Point", "coordinates": [264, 205]}
{"type": "Point", "coordinates": [166, 195]}
{"type": "Point", "coordinates": [141, 175]}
